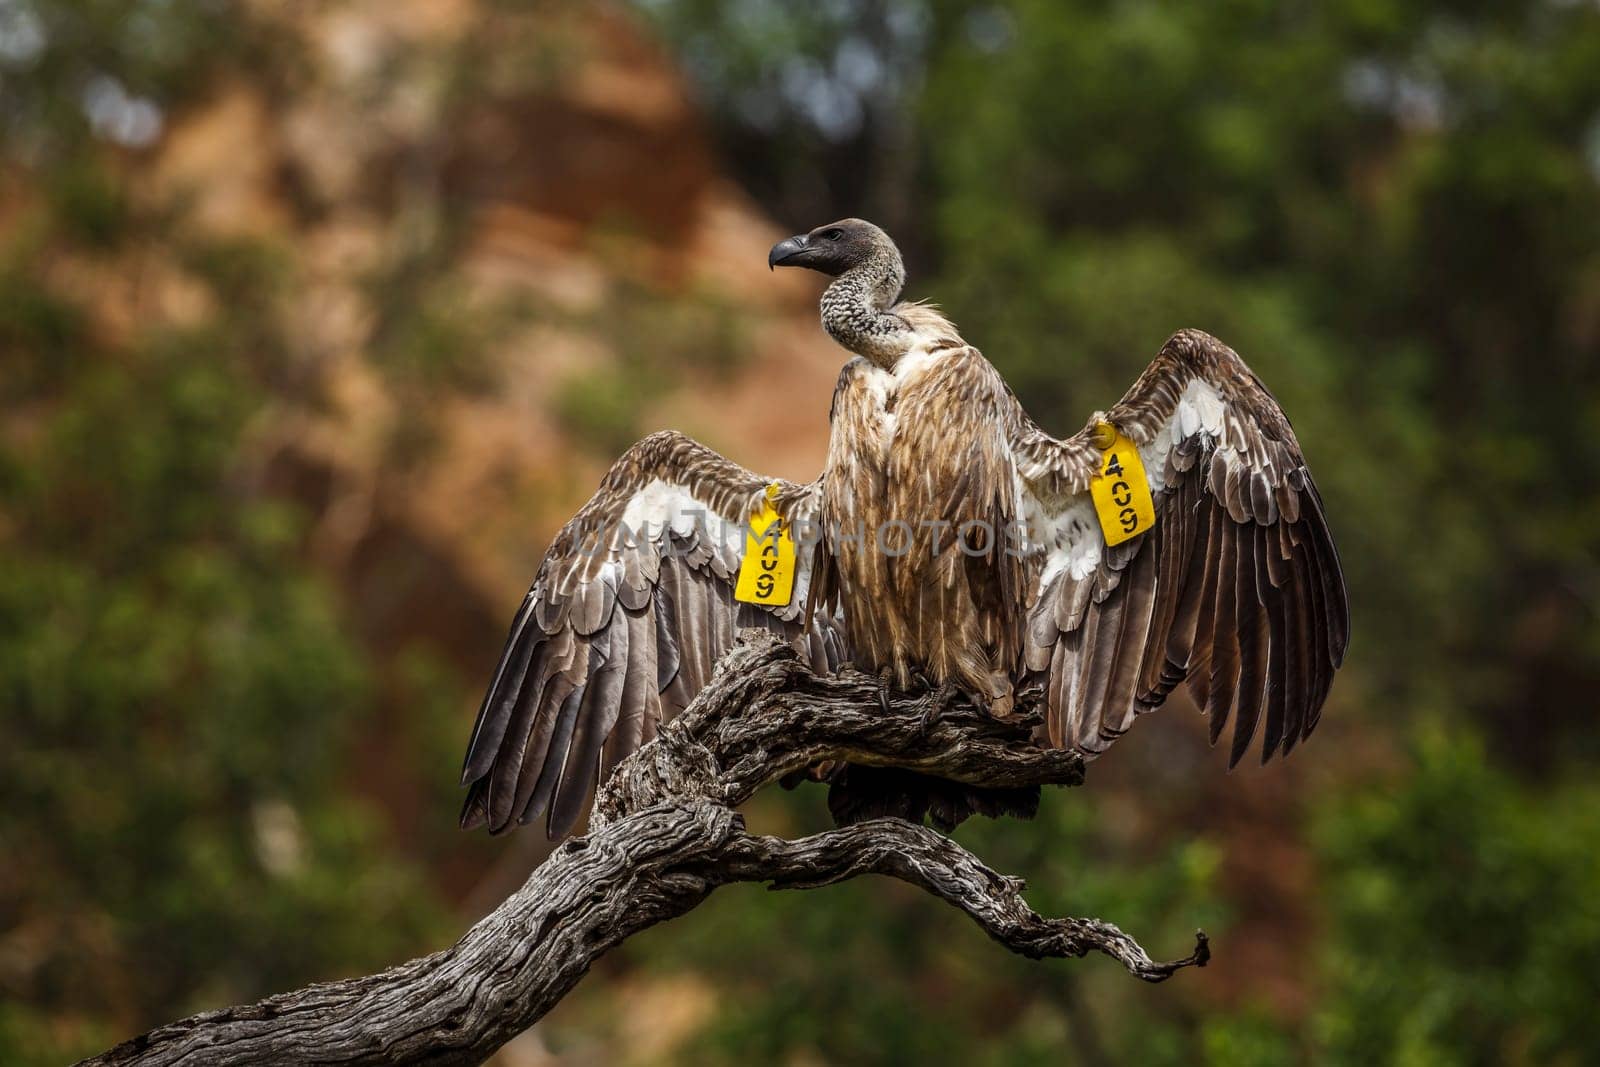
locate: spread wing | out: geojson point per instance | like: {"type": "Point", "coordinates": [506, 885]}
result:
{"type": "Point", "coordinates": [630, 610]}
{"type": "Point", "coordinates": [1237, 589]}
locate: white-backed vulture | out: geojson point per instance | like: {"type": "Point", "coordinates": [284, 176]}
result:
{"type": "Point", "coordinates": [1235, 590]}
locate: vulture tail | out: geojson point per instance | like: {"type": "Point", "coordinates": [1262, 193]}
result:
{"type": "Point", "coordinates": [857, 793]}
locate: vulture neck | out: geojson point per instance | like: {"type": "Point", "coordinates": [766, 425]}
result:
{"type": "Point", "coordinates": [859, 310]}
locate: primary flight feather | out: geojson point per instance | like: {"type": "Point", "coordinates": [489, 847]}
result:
{"type": "Point", "coordinates": [957, 547]}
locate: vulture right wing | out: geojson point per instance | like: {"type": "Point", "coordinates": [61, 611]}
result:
{"type": "Point", "coordinates": [632, 607]}
{"type": "Point", "coordinates": [1236, 590]}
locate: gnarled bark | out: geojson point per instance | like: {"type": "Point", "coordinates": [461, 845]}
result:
{"type": "Point", "coordinates": [663, 836]}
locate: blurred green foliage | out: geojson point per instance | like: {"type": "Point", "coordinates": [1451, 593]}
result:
{"type": "Point", "coordinates": [181, 693]}
{"type": "Point", "coordinates": [1466, 912]}
{"type": "Point", "coordinates": [1391, 208]}
{"type": "Point", "coordinates": [180, 700]}
{"type": "Point", "coordinates": [180, 697]}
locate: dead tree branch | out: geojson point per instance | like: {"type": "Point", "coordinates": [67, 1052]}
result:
{"type": "Point", "coordinates": [664, 835]}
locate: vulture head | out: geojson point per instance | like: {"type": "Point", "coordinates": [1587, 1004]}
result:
{"type": "Point", "coordinates": [835, 248]}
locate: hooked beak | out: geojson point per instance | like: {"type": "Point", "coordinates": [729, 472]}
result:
{"type": "Point", "coordinates": [786, 250]}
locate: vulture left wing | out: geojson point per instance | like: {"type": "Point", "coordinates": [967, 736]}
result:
{"type": "Point", "coordinates": [1236, 590]}
{"type": "Point", "coordinates": [632, 607]}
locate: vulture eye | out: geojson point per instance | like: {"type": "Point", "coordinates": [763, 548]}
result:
{"type": "Point", "coordinates": [833, 235]}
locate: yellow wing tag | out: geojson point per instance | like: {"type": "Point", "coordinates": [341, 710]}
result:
{"type": "Point", "coordinates": [767, 574]}
{"type": "Point", "coordinates": [1121, 491]}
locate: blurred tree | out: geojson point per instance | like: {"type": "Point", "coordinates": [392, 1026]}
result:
{"type": "Point", "coordinates": [812, 100]}
{"type": "Point", "coordinates": [180, 697]}
{"type": "Point", "coordinates": [1392, 209]}
{"type": "Point", "coordinates": [1466, 913]}
{"type": "Point", "coordinates": [180, 691]}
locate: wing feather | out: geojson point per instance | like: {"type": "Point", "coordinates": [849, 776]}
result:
{"type": "Point", "coordinates": [1254, 643]}
{"type": "Point", "coordinates": [602, 703]}
{"type": "Point", "coordinates": [641, 694]}
{"type": "Point", "coordinates": [1278, 641]}
{"type": "Point", "coordinates": [538, 780]}
{"type": "Point", "coordinates": [1122, 686]}
{"type": "Point", "coordinates": [1224, 633]}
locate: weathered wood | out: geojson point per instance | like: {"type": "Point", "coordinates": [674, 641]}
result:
{"type": "Point", "coordinates": [664, 835]}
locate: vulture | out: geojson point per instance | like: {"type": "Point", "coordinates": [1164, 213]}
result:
{"type": "Point", "coordinates": [955, 548]}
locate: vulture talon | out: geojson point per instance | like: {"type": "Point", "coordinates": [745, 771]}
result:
{"type": "Point", "coordinates": [935, 704]}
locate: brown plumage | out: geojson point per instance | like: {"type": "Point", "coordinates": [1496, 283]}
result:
{"type": "Point", "coordinates": [958, 548]}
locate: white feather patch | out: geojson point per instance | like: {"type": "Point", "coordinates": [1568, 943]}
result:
{"type": "Point", "coordinates": [1071, 536]}
{"type": "Point", "coordinates": [663, 505]}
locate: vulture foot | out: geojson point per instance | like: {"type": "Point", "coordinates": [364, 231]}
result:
{"type": "Point", "coordinates": [885, 681]}
{"type": "Point", "coordinates": [936, 703]}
